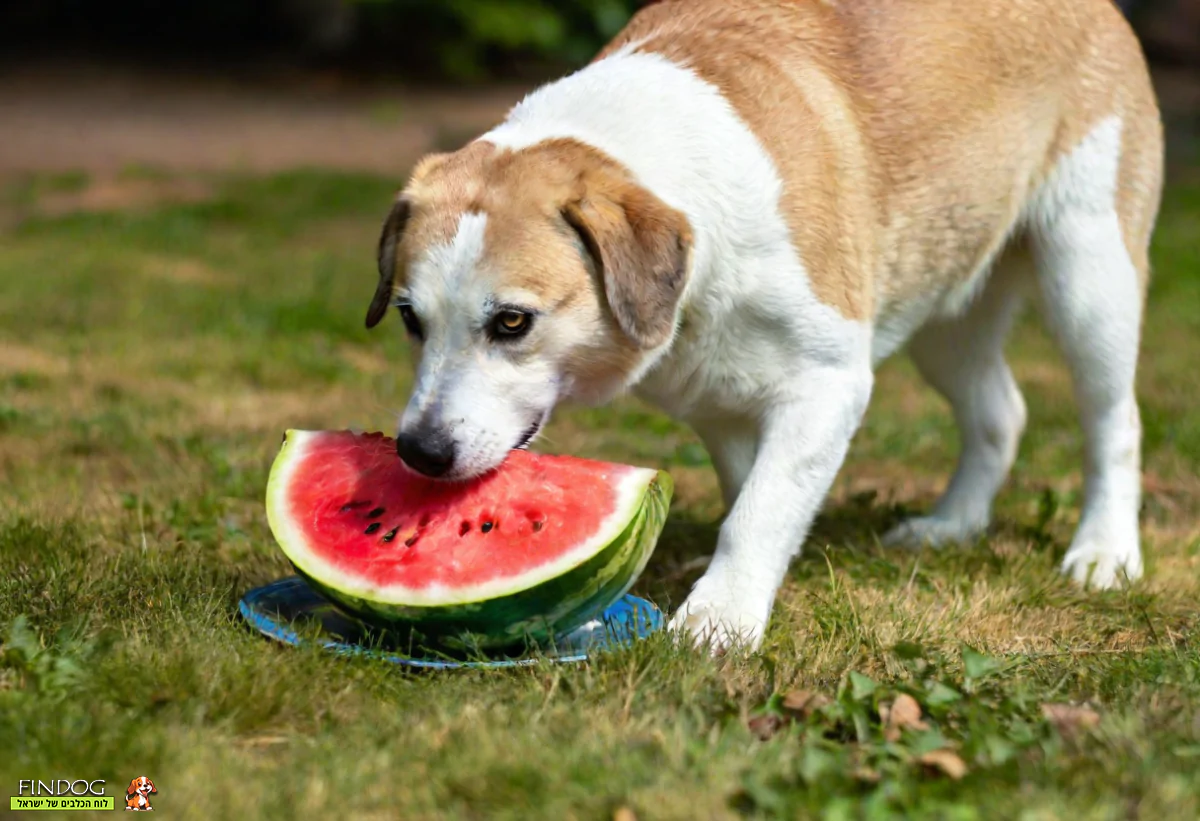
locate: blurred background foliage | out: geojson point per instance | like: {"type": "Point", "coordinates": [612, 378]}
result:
{"type": "Point", "coordinates": [455, 40]}
{"type": "Point", "coordinates": [469, 38]}
{"type": "Point", "coordinates": [448, 40]}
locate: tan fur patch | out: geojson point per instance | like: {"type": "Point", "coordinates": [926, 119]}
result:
{"type": "Point", "coordinates": [910, 134]}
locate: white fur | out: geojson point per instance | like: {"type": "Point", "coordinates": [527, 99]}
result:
{"type": "Point", "coordinates": [1092, 300]}
{"type": "Point", "coordinates": [775, 380]}
{"type": "Point", "coordinates": [485, 396]}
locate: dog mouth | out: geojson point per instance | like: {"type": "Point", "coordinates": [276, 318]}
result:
{"type": "Point", "coordinates": [530, 432]}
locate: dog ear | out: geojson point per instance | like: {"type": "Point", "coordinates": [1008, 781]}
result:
{"type": "Point", "coordinates": [642, 249]}
{"type": "Point", "coordinates": [153, 789]}
{"type": "Point", "coordinates": [132, 788]}
{"type": "Point", "coordinates": [389, 239]}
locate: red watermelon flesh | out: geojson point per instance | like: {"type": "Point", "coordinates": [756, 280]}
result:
{"type": "Point", "coordinates": [528, 549]}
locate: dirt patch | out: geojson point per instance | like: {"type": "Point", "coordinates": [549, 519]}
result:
{"type": "Point", "coordinates": [102, 120]}
{"type": "Point", "coordinates": [181, 270]}
{"type": "Point", "coordinates": [114, 193]}
{"type": "Point", "coordinates": [697, 489]}
{"type": "Point", "coordinates": [342, 233]}
{"type": "Point", "coordinates": [265, 411]}
{"type": "Point", "coordinates": [366, 360]}
{"type": "Point", "coordinates": [16, 358]}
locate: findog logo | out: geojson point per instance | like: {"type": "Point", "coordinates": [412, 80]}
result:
{"type": "Point", "coordinates": [61, 794]}
{"type": "Point", "coordinates": [137, 794]}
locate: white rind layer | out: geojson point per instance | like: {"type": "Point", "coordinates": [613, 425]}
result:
{"type": "Point", "coordinates": [631, 488]}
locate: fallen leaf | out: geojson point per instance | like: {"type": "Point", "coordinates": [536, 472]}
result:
{"type": "Point", "coordinates": [765, 726]}
{"type": "Point", "coordinates": [1069, 719]}
{"type": "Point", "coordinates": [803, 703]}
{"type": "Point", "coordinates": [624, 814]}
{"type": "Point", "coordinates": [867, 775]}
{"type": "Point", "coordinates": [902, 714]}
{"type": "Point", "coordinates": [945, 761]}
{"type": "Point", "coordinates": [264, 741]}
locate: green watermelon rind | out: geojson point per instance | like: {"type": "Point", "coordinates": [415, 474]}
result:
{"type": "Point", "coordinates": [539, 613]}
{"type": "Point", "coordinates": [534, 608]}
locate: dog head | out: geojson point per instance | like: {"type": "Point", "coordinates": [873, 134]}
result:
{"type": "Point", "coordinates": [523, 277]}
{"type": "Point", "coordinates": [141, 786]}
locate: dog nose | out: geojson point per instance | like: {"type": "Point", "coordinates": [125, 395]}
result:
{"type": "Point", "coordinates": [430, 454]}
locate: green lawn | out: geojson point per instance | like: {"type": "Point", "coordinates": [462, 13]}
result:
{"type": "Point", "coordinates": [149, 361]}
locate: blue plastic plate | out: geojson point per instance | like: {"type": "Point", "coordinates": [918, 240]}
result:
{"type": "Point", "coordinates": [284, 609]}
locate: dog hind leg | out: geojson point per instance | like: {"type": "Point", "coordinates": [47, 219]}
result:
{"type": "Point", "coordinates": [1092, 297]}
{"type": "Point", "coordinates": [963, 359]}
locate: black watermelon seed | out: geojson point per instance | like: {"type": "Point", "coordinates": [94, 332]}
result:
{"type": "Point", "coordinates": [373, 528]}
{"type": "Point", "coordinates": [411, 540]}
{"type": "Point", "coordinates": [391, 534]}
{"type": "Point", "coordinates": [537, 526]}
{"type": "Point", "coordinates": [376, 513]}
{"type": "Point", "coordinates": [486, 527]}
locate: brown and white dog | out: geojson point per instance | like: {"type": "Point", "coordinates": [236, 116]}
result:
{"type": "Point", "coordinates": [137, 794]}
{"type": "Point", "coordinates": [742, 207]}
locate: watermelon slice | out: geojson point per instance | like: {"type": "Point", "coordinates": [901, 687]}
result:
{"type": "Point", "coordinates": [527, 552]}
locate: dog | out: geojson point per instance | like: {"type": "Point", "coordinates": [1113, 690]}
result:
{"type": "Point", "coordinates": [740, 208]}
{"type": "Point", "coordinates": [137, 794]}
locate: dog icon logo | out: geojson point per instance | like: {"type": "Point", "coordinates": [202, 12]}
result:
{"type": "Point", "coordinates": [137, 794]}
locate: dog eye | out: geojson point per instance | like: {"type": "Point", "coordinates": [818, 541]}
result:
{"type": "Point", "coordinates": [411, 322]}
{"type": "Point", "coordinates": [511, 324]}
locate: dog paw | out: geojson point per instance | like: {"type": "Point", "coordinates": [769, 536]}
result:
{"type": "Point", "coordinates": [931, 531]}
{"type": "Point", "coordinates": [718, 624]}
{"type": "Point", "coordinates": [1096, 565]}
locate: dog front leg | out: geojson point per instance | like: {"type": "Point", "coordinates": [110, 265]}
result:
{"type": "Point", "coordinates": [802, 443]}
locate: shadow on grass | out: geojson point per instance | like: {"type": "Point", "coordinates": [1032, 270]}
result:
{"type": "Point", "coordinates": [846, 538]}
{"type": "Point", "coordinates": [687, 544]}
{"type": "Point", "coordinates": [856, 522]}
{"type": "Point", "coordinates": [682, 554]}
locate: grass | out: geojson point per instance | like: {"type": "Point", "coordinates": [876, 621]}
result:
{"type": "Point", "coordinates": [149, 360]}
